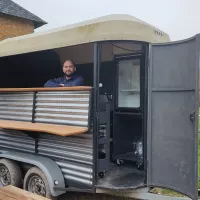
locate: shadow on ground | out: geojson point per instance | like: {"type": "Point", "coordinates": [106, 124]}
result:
{"type": "Point", "coordinates": [85, 196]}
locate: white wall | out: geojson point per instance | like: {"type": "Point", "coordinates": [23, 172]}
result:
{"type": "Point", "coordinates": [82, 54]}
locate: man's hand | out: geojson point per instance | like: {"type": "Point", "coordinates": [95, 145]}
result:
{"type": "Point", "coordinates": [62, 85]}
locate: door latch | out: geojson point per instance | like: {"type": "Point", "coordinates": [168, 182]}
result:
{"type": "Point", "coordinates": [192, 117]}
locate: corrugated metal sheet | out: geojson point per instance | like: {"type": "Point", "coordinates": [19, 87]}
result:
{"type": "Point", "coordinates": [67, 107]}
{"type": "Point", "coordinates": [16, 106]}
{"type": "Point", "coordinates": [74, 155]}
{"type": "Point", "coordinates": [16, 140]}
{"type": "Point", "coordinates": [58, 107]}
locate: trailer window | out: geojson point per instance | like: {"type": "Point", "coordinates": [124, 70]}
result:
{"type": "Point", "coordinates": [129, 83]}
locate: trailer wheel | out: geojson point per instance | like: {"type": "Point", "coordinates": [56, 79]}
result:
{"type": "Point", "coordinates": [36, 182]}
{"type": "Point", "coordinates": [10, 173]}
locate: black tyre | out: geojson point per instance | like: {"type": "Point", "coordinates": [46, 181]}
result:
{"type": "Point", "coordinates": [36, 182]}
{"type": "Point", "coordinates": [10, 173]}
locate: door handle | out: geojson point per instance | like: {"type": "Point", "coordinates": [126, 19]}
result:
{"type": "Point", "coordinates": [192, 117]}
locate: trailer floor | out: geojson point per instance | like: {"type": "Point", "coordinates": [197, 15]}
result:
{"type": "Point", "coordinates": [122, 177]}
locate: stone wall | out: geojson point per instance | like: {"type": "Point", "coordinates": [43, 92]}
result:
{"type": "Point", "coordinates": [13, 26]}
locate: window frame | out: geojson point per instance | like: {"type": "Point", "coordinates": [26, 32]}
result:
{"type": "Point", "coordinates": [130, 57]}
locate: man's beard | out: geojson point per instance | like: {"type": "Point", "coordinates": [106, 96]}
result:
{"type": "Point", "coordinates": [69, 75]}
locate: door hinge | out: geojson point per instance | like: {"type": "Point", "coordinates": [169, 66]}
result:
{"type": "Point", "coordinates": [192, 117]}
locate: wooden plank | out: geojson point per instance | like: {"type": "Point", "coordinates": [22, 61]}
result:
{"type": "Point", "coordinates": [12, 193]}
{"type": "Point", "coordinates": [60, 130]}
{"type": "Point", "coordinates": [73, 88]}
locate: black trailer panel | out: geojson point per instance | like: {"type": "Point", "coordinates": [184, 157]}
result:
{"type": "Point", "coordinates": [173, 105]}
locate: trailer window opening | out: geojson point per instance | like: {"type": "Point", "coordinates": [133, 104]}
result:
{"type": "Point", "coordinates": [129, 83]}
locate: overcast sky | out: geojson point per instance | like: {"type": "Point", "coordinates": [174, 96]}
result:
{"type": "Point", "coordinates": [179, 18]}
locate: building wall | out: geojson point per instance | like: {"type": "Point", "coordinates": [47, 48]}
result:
{"type": "Point", "coordinates": [13, 26]}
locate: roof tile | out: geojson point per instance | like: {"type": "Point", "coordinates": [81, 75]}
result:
{"type": "Point", "coordinates": [9, 7]}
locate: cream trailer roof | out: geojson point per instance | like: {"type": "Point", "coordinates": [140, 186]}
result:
{"type": "Point", "coordinates": [112, 27]}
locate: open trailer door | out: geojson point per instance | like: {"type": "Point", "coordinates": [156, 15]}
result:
{"type": "Point", "coordinates": [173, 116]}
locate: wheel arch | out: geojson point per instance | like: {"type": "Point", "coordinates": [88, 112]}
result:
{"type": "Point", "coordinates": [49, 167]}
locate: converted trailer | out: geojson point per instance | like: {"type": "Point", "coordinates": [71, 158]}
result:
{"type": "Point", "coordinates": [131, 127]}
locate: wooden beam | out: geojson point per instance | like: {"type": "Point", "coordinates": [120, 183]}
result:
{"type": "Point", "coordinates": [61, 130]}
{"type": "Point", "coordinates": [12, 193]}
{"type": "Point", "coordinates": [74, 88]}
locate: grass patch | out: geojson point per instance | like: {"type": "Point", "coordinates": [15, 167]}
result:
{"type": "Point", "coordinates": [199, 153]}
{"type": "Point", "coordinates": [166, 192]}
